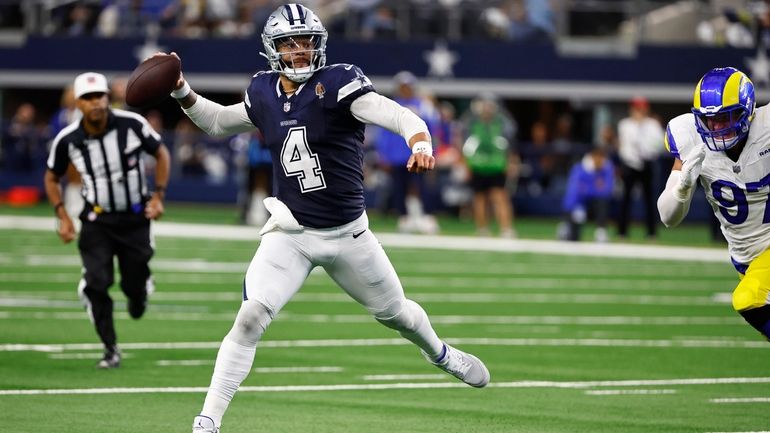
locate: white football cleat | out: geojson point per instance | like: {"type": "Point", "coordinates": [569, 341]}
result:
{"type": "Point", "coordinates": [463, 366]}
{"type": "Point", "coordinates": [204, 424]}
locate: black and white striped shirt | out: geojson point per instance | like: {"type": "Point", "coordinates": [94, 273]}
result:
{"type": "Point", "coordinates": [110, 164]}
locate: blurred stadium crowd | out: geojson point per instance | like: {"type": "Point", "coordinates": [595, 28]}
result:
{"type": "Point", "coordinates": [367, 19]}
{"type": "Point", "coordinates": [541, 149]}
{"type": "Point", "coordinates": [478, 136]}
{"type": "Point", "coordinates": [738, 23]}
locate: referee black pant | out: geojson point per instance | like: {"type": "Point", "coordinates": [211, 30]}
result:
{"type": "Point", "coordinates": [645, 178]}
{"type": "Point", "coordinates": [126, 236]}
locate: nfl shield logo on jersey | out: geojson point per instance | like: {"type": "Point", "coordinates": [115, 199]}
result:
{"type": "Point", "coordinates": [286, 107]}
{"type": "Point", "coordinates": [320, 90]}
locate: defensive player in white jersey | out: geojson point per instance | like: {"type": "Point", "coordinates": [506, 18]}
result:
{"type": "Point", "coordinates": [725, 142]}
{"type": "Point", "coordinates": [312, 117]}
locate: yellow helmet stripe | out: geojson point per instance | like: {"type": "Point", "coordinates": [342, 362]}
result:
{"type": "Point", "coordinates": [696, 96]}
{"type": "Point", "coordinates": [730, 94]}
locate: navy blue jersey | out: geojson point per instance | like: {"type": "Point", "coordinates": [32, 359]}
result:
{"type": "Point", "coordinates": [315, 142]}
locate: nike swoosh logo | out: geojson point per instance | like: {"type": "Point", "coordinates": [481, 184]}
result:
{"type": "Point", "coordinates": [356, 235]}
{"type": "Point", "coordinates": [348, 67]}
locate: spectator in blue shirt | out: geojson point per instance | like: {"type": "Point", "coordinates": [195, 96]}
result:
{"type": "Point", "coordinates": [589, 191]}
{"type": "Point", "coordinates": [410, 194]}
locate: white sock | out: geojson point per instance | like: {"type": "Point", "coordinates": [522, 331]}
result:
{"type": "Point", "coordinates": [232, 366]}
{"type": "Point", "coordinates": [236, 354]}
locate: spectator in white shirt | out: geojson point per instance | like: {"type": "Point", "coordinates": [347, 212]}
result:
{"type": "Point", "coordinates": [640, 143]}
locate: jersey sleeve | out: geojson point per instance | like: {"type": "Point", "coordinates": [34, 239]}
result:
{"type": "Point", "coordinates": [151, 140]}
{"type": "Point", "coordinates": [679, 135]}
{"type": "Point", "coordinates": [351, 84]}
{"type": "Point", "coordinates": [670, 143]}
{"type": "Point", "coordinates": [58, 158]}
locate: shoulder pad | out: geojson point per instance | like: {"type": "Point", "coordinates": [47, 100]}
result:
{"type": "Point", "coordinates": [680, 135]}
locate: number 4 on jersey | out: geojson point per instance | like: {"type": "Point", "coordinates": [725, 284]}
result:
{"type": "Point", "coordinates": [298, 160]}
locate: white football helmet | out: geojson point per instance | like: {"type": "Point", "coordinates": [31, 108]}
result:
{"type": "Point", "coordinates": [285, 24]}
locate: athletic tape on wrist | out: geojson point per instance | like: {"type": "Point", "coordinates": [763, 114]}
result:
{"type": "Point", "coordinates": [183, 92]}
{"type": "Point", "coordinates": [422, 147]}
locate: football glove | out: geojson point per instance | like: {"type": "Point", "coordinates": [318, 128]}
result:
{"type": "Point", "coordinates": [691, 168]}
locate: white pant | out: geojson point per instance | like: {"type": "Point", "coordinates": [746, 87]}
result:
{"type": "Point", "coordinates": [358, 265]}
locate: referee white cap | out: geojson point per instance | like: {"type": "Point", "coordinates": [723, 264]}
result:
{"type": "Point", "coordinates": [90, 82]}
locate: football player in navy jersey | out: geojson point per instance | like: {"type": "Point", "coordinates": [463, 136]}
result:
{"type": "Point", "coordinates": [312, 117]}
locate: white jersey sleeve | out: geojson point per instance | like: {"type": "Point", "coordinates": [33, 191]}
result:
{"type": "Point", "coordinates": [738, 191]}
{"type": "Point", "coordinates": [218, 120]}
{"type": "Point", "coordinates": [681, 138]}
{"type": "Point", "coordinates": [376, 109]}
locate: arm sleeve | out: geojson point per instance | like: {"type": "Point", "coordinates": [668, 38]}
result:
{"type": "Point", "coordinates": [376, 109]}
{"type": "Point", "coordinates": [673, 203]}
{"type": "Point", "coordinates": [218, 120]}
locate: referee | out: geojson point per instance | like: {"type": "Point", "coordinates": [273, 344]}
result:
{"type": "Point", "coordinates": [106, 147]}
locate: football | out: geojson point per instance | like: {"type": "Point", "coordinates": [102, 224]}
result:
{"type": "Point", "coordinates": [152, 80]}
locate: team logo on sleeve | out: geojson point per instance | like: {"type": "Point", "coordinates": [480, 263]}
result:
{"type": "Point", "coordinates": [320, 90]}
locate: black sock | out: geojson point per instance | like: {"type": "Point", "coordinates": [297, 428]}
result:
{"type": "Point", "coordinates": [759, 318]}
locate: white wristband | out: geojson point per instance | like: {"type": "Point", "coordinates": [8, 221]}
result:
{"type": "Point", "coordinates": [422, 147]}
{"type": "Point", "coordinates": [183, 92]}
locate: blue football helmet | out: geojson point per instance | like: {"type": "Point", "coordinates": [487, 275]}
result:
{"type": "Point", "coordinates": [723, 105]}
{"type": "Point", "coordinates": [299, 28]}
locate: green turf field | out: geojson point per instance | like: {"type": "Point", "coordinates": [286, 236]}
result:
{"type": "Point", "coordinates": [573, 343]}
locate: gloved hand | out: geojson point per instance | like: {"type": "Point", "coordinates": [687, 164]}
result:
{"type": "Point", "coordinates": [692, 166]}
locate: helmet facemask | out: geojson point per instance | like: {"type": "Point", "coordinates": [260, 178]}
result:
{"type": "Point", "coordinates": [295, 42]}
{"type": "Point", "coordinates": [722, 129]}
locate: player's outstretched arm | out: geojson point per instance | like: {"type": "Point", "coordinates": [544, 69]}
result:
{"type": "Point", "coordinates": [674, 201]}
{"type": "Point", "coordinates": [216, 119]}
{"type": "Point", "coordinates": [376, 109]}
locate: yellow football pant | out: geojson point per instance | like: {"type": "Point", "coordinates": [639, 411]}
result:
{"type": "Point", "coordinates": [754, 288]}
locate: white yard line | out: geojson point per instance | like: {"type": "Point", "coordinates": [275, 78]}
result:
{"type": "Point", "coordinates": [712, 342]}
{"type": "Point", "coordinates": [92, 355]}
{"type": "Point", "coordinates": [262, 370]}
{"type": "Point", "coordinates": [456, 298]}
{"type": "Point", "coordinates": [546, 280]}
{"type": "Point", "coordinates": [530, 320]}
{"type": "Point", "coordinates": [184, 362]}
{"type": "Point", "coordinates": [202, 266]}
{"type": "Point", "coordinates": [741, 400]}
{"type": "Point", "coordinates": [630, 391]}
{"type": "Point", "coordinates": [286, 316]}
{"type": "Point", "coordinates": [413, 282]}
{"type": "Point", "coordinates": [322, 369]}
{"type": "Point", "coordinates": [375, 377]}
{"type": "Point", "coordinates": [464, 243]}
{"type": "Point", "coordinates": [384, 386]}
